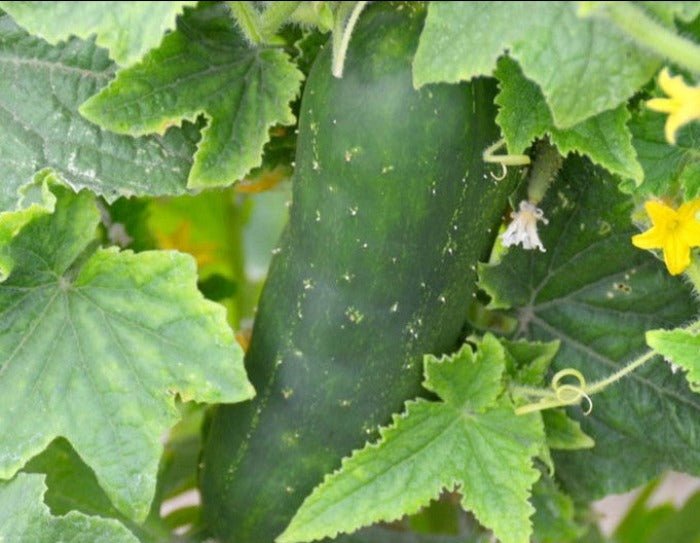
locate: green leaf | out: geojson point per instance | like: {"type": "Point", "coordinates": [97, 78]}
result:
{"type": "Point", "coordinates": [583, 66]}
{"type": "Point", "coordinates": [660, 523]}
{"type": "Point", "coordinates": [41, 88]}
{"type": "Point", "coordinates": [204, 67]}
{"type": "Point", "coordinates": [441, 516]}
{"type": "Point", "coordinates": [527, 362]}
{"type": "Point", "coordinates": [524, 116]}
{"type": "Point", "coordinates": [690, 180]}
{"type": "Point", "coordinates": [25, 519]}
{"type": "Point", "coordinates": [178, 467]}
{"type": "Point", "coordinates": [96, 343]}
{"type": "Point", "coordinates": [127, 29]}
{"type": "Point", "coordinates": [553, 521]}
{"type": "Point", "coordinates": [640, 520]}
{"type": "Point", "coordinates": [471, 440]}
{"type": "Point", "coordinates": [35, 199]}
{"type": "Point", "coordinates": [598, 295]}
{"type": "Point", "coordinates": [564, 433]}
{"type": "Point", "coordinates": [380, 534]}
{"type": "Point", "coordinates": [682, 347]}
{"type": "Point", "coordinates": [72, 486]}
{"type": "Point", "coordinates": [682, 527]}
{"type": "Point", "coordinates": [667, 168]}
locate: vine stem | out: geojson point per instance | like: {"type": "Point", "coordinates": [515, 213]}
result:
{"type": "Point", "coordinates": [601, 385]}
{"type": "Point", "coordinates": [530, 391]}
{"type": "Point", "coordinates": [342, 33]}
{"type": "Point", "coordinates": [637, 24]}
{"type": "Point", "coordinates": [566, 394]}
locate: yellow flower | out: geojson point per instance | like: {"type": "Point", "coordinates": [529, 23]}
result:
{"type": "Point", "coordinates": [180, 239]}
{"type": "Point", "coordinates": [674, 231]}
{"type": "Point", "coordinates": [682, 105]}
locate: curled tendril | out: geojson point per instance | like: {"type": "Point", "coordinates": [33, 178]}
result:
{"type": "Point", "coordinates": [562, 394]}
{"type": "Point", "coordinates": [571, 394]}
{"type": "Point", "coordinates": [504, 172]}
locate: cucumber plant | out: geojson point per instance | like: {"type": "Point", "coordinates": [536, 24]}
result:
{"type": "Point", "coordinates": [483, 289]}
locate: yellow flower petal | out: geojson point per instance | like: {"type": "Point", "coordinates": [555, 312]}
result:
{"type": "Point", "coordinates": [682, 104]}
{"type": "Point", "coordinates": [690, 224]}
{"type": "Point", "coordinates": [674, 231]}
{"type": "Point", "coordinates": [690, 234]}
{"type": "Point", "coordinates": [659, 213]}
{"type": "Point", "coordinates": [662, 105]}
{"type": "Point", "coordinates": [651, 239]}
{"type": "Point", "coordinates": [671, 85]}
{"type": "Point", "coordinates": [676, 255]}
{"type": "Point", "coordinates": [673, 123]}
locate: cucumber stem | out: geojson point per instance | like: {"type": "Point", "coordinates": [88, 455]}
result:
{"type": "Point", "coordinates": [342, 33]}
{"type": "Point", "coordinates": [637, 24]}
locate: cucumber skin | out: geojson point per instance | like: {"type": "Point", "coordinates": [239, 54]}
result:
{"type": "Point", "coordinates": [392, 208]}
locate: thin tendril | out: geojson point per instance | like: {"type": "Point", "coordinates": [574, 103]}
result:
{"type": "Point", "coordinates": [565, 394]}
{"type": "Point", "coordinates": [508, 160]}
{"type": "Point", "coordinates": [504, 172]}
{"type": "Point", "coordinates": [344, 41]}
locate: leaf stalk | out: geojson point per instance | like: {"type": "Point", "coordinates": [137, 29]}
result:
{"type": "Point", "coordinates": [641, 27]}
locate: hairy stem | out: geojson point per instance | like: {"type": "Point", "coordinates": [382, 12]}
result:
{"type": "Point", "coordinates": [601, 385]}
{"type": "Point", "coordinates": [248, 20]}
{"type": "Point", "coordinates": [636, 23]}
{"type": "Point", "coordinates": [342, 33]}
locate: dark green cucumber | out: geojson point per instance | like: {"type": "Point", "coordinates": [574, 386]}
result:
{"type": "Point", "coordinates": [392, 208]}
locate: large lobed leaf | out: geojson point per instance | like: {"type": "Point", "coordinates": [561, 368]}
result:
{"type": "Point", "coordinates": [471, 440]}
{"type": "Point", "coordinates": [41, 88]}
{"type": "Point", "coordinates": [127, 29]}
{"type": "Point", "coordinates": [598, 295]}
{"type": "Point", "coordinates": [583, 66]}
{"type": "Point", "coordinates": [25, 519]}
{"type": "Point", "coordinates": [204, 67]}
{"type": "Point", "coordinates": [524, 116]}
{"type": "Point", "coordinates": [94, 346]}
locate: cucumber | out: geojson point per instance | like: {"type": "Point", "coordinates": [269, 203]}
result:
{"type": "Point", "coordinates": [392, 208]}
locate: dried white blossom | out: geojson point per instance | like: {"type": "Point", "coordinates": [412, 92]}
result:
{"type": "Point", "coordinates": [523, 229]}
